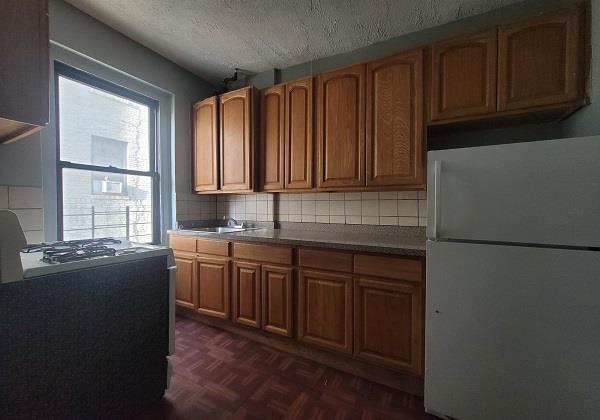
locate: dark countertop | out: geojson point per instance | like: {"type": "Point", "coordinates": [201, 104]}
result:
{"type": "Point", "coordinates": [361, 242]}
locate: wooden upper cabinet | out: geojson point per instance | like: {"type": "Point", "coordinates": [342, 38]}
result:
{"type": "Point", "coordinates": [541, 61]}
{"type": "Point", "coordinates": [325, 310]}
{"type": "Point", "coordinates": [25, 68]}
{"type": "Point", "coordinates": [340, 128]}
{"type": "Point", "coordinates": [236, 145]}
{"type": "Point", "coordinates": [272, 107]}
{"type": "Point", "coordinates": [464, 76]}
{"type": "Point", "coordinates": [213, 286]}
{"type": "Point", "coordinates": [205, 145]}
{"type": "Point", "coordinates": [299, 134]}
{"type": "Point", "coordinates": [394, 125]}
{"type": "Point", "coordinates": [388, 323]}
{"type": "Point", "coordinates": [246, 293]}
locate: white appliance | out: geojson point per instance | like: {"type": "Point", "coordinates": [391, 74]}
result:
{"type": "Point", "coordinates": [513, 281]}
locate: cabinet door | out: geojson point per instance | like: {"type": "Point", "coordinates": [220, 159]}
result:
{"type": "Point", "coordinates": [246, 293]}
{"type": "Point", "coordinates": [24, 72]}
{"type": "Point", "coordinates": [213, 286]}
{"type": "Point", "coordinates": [299, 134]}
{"type": "Point", "coordinates": [272, 111]}
{"type": "Point", "coordinates": [395, 154]}
{"type": "Point", "coordinates": [185, 285]}
{"type": "Point", "coordinates": [464, 76]}
{"type": "Point", "coordinates": [325, 310]}
{"type": "Point", "coordinates": [205, 145]}
{"type": "Point", "coordinates": [541, 61]}
{"type": "Point", "coordinates": [388, 323]}
{"type": "Point", "coordinates": [340, 128]}
{"type": "Point", "coordinates": [236, 140]}
{"type": "Point", "coordinates": [277, 299]}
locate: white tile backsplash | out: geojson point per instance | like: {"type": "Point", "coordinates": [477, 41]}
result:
{"type": "Point", "coordinates": [3, 197]}
{"type": "Point", "coordinates": [390, 208]}
{"type": "Point", "coordinates": [27, 204]}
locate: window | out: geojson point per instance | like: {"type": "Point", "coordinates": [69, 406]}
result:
{"type": "Point", "coordinates": [108, 184]}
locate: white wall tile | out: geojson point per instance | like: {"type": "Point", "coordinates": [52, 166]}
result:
{"type": "Point", "coordinates": [408, 208]}
{"type": "Point", "coordinates": [322, 208]}
{"type": "Point", "coordinates": [336, 208]}
{"type": "Point", "coordinates": [251, 206]}
{"type": "Point", "coordinates": [408, 221]}
{"type": "Point", "coordinates": [370, 220]}
{"type": "Point", "coordinates": [352, 196]}
{"type": "Point", "coordinates": [422, 195]}
{"type": "Point", "coordinates": [34, 236]}
{"type": "Point", "coordinates": [337, 196]}
{"type": "Point", "coordinates": [353, 208]}
{"type": "Point", "coordinates": [370, 208]}
{"type": "Point", "coordinates": [388, 195]}
{"type": "Point", "coordinates": [308, 218]}
{"type": "Point", "coordinates": [408, 195]}
{"type": "Point", "coordinates": [261, 207]}
{"type": "Point", "coordinates": [295, 218]}
{"type": "Point", "coordinates": [388, 207]}
{"type": "Point", "coordinates": [308, 208]}
{"type": "Point", "coordinates": [324, 196]}
{"type": "Point", "coordinates": [295, 207]}
{"type": "Point", "coordinates": [3, 197]}
{"type": "Point", "coordinates": [353, 220]}
{"type": "Point", "coordinates": [388, 221]}
{"type": "Point", "coordinates": [30, 219]}
{"type": "Point", "coordinates": [322, 219]}
{"type": "Point", "coordinates": [337, 219]}
{"type": "Point", "coordinates": [25, 198]}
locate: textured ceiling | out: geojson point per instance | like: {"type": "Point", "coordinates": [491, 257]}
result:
{"type": "Point", "coordinates": [212, 37]}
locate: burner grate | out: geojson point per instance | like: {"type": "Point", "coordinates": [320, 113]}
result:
{"type": "Point", "coordinates": [78, 254]}
{"type": "Point", "coordinates": [69, 245]}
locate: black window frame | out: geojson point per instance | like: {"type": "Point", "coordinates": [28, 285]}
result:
{"type": "Point", "coordinates": [69, 72]}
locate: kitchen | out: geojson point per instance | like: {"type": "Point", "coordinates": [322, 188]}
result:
{"type": "Point", "coordinates": [305, 209]}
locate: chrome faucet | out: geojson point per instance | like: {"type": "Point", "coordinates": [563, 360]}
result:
{"type": "Point", "coordinates": [231, 222]}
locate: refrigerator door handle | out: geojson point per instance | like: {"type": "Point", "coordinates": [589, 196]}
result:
{"type": "Point", "coordinates": [437, 198]}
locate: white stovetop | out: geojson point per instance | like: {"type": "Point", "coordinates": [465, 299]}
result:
{"type": "Point", "coordinates": [33, 266]}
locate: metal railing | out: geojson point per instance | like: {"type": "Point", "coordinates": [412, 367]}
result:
{"type": "Point", "coordinates": [126, 226]}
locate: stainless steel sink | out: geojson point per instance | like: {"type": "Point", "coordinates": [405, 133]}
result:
{"type": "Point", "coordinates": [221, 229]}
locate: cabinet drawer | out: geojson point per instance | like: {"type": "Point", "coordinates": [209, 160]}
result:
{"type": "Point", "coordinates": [266, 253]}
{"type": "Point", "coordinates": [183, 243]}
{"type": "Point", "coordinates": [213, 247]}
{"type": "Point", "coordinates": [326, 260]}
{"type": "Point", "coordinates": [389, 267]}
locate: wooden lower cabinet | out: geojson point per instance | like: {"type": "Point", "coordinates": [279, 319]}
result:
{"type": "Point", "coordinates": [213, 286]}
{"type": "Point", "coordinates": [277, 303]}
{"type": "Point", "coordinates": [185, 285]}
{"type": "Point", "coordinates": [246, 293]}
{"type": "Point", "coordinates": [325, 310]}
{"type": "Point", "coordinates": [388, 323]}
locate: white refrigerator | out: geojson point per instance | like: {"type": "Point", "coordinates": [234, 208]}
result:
{"type": "Point", "coordinates": [512, 323]}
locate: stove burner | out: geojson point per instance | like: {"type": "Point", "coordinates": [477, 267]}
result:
{"type": "Point", "coordinates": [69, 245]}
{"type": "Point", "coordinates": [77, 254]}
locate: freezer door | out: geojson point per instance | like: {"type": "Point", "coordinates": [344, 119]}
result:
{"type": "Point", "coordinates": [545, 192]}
{"type": "Point", "coordinates": [512, 332]}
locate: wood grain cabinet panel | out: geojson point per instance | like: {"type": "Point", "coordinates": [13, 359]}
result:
{"type": "Point", "coordinates": [185, 284]}
{"type": "Point", "coordinates": [236, 143]}
{"type": "Point", "coordinates": [541, 61]}
{"type": "Point", "coordinates": [340, 128]}
{"type": "Point", "coordinates": [272, 105]}
{"type": "Point", "coordinates": [246, 293]}
{"type": "Point", "coordinates": [388, 328]}
{"type": "Point", "coordinates": [205, 145]}
{"type": "Point", "coordinates": [299, 134]}
{"type": "Point", "coordinates": [277, 292]}
{"type": "Point", "coordinates": [25, 68]}
{"type": "Point", "coordinates": [325, 310]}
{"type": "Point", "coordinates": [464, 76]}
{"type": "Point", "coordinates": [394, 126]}
{"type": "Point", "coordinates": [213, 286]}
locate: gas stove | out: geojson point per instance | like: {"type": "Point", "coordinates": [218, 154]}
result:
{"type": "Point", "coordinates": [76, 250]}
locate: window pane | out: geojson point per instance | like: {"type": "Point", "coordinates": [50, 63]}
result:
{"type": "Point", "coordinates": [101, 128]}
{"type": "Point", "coordinates": [100, 204]}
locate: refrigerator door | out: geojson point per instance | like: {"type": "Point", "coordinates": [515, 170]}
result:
{"type": "Point", "coordinates": [512, 332]}
{"type": "Point", "coordinates": [545, 192]}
